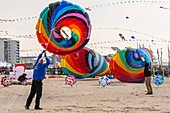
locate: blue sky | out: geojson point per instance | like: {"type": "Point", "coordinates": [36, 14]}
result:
{"type": "Point", "coordinates": [146, 21]}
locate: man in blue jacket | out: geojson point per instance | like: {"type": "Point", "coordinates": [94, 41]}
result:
{"type": "Point", "coordinates": [38, 76]}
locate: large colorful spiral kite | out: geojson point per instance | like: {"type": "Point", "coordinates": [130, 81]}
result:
{"type": "Point", "coordinates": [128, 65]}
{"type": "Point", "coordinates": [63, 28]}
{"type": "Point", "coordinates": [85, 63]}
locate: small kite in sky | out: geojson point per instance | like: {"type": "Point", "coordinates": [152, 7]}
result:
{"type": "Point", "coordinates": [163, 7]}
{"type": "Point", "coordinates": [88, 8]}
{"type": "Point", "coordinates": [121, 36]}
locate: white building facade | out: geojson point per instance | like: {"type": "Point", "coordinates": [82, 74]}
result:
{"type": "Point", "coordinates": [2, 56]}
{"type": "Point", "coordinates": [9, 50]}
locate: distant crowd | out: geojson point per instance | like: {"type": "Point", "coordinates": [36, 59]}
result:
{"type": "Point", "coordinates": [50, 71]}
{"type": "Point", "coordinates": [5, 70]}
{"type": "Point", "coordinates": [58, 71]}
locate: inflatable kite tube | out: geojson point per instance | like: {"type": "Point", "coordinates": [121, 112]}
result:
{"type": "Point", "coordinates": [128, 66]}
{"type": "Point", "coordinates": [63, 28]}
{"type": "Point", "coordinates": [85, 63]}
{"type": "Point", "coordinates": [158, 79]}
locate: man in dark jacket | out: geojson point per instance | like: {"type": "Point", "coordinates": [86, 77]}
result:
{"type": "Point", "coordinates": [22, 79]}
{"type": "Point", "coordinates": [38, 76]}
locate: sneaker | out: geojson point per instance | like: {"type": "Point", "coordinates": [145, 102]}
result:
{"type": "Point", "coordinates": [38, 108]}
{"type": "Point", "coordinates": [149, 93]}
{"type": "Point", "coordinates": [26, 107]}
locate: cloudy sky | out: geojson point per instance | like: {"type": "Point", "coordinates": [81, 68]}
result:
{"type": "Point", "coordinates": [143, 19]}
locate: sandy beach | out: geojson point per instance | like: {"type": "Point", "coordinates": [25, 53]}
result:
{"type": "Point", "coordinates": [86, 96]}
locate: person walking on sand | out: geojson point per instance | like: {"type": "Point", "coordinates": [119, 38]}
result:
{"type": "Point", "coordinates": [38, 76]}
{"type": "Point", "coordinates": [147, 74]}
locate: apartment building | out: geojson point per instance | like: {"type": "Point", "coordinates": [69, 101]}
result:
{"type": "Point", "coordinates": [9, 50]}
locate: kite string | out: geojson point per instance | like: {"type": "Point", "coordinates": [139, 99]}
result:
{"type": "Point", "coordinates": [12, 101]}
{"type": "Point", "coordinates": [49, 39]}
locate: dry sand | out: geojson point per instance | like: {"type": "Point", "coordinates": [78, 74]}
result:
{"type": "Point", "coordinates": [86, 96]}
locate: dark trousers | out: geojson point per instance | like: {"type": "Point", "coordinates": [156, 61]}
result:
{"type": "Point", "coordinates": [36, 88]}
